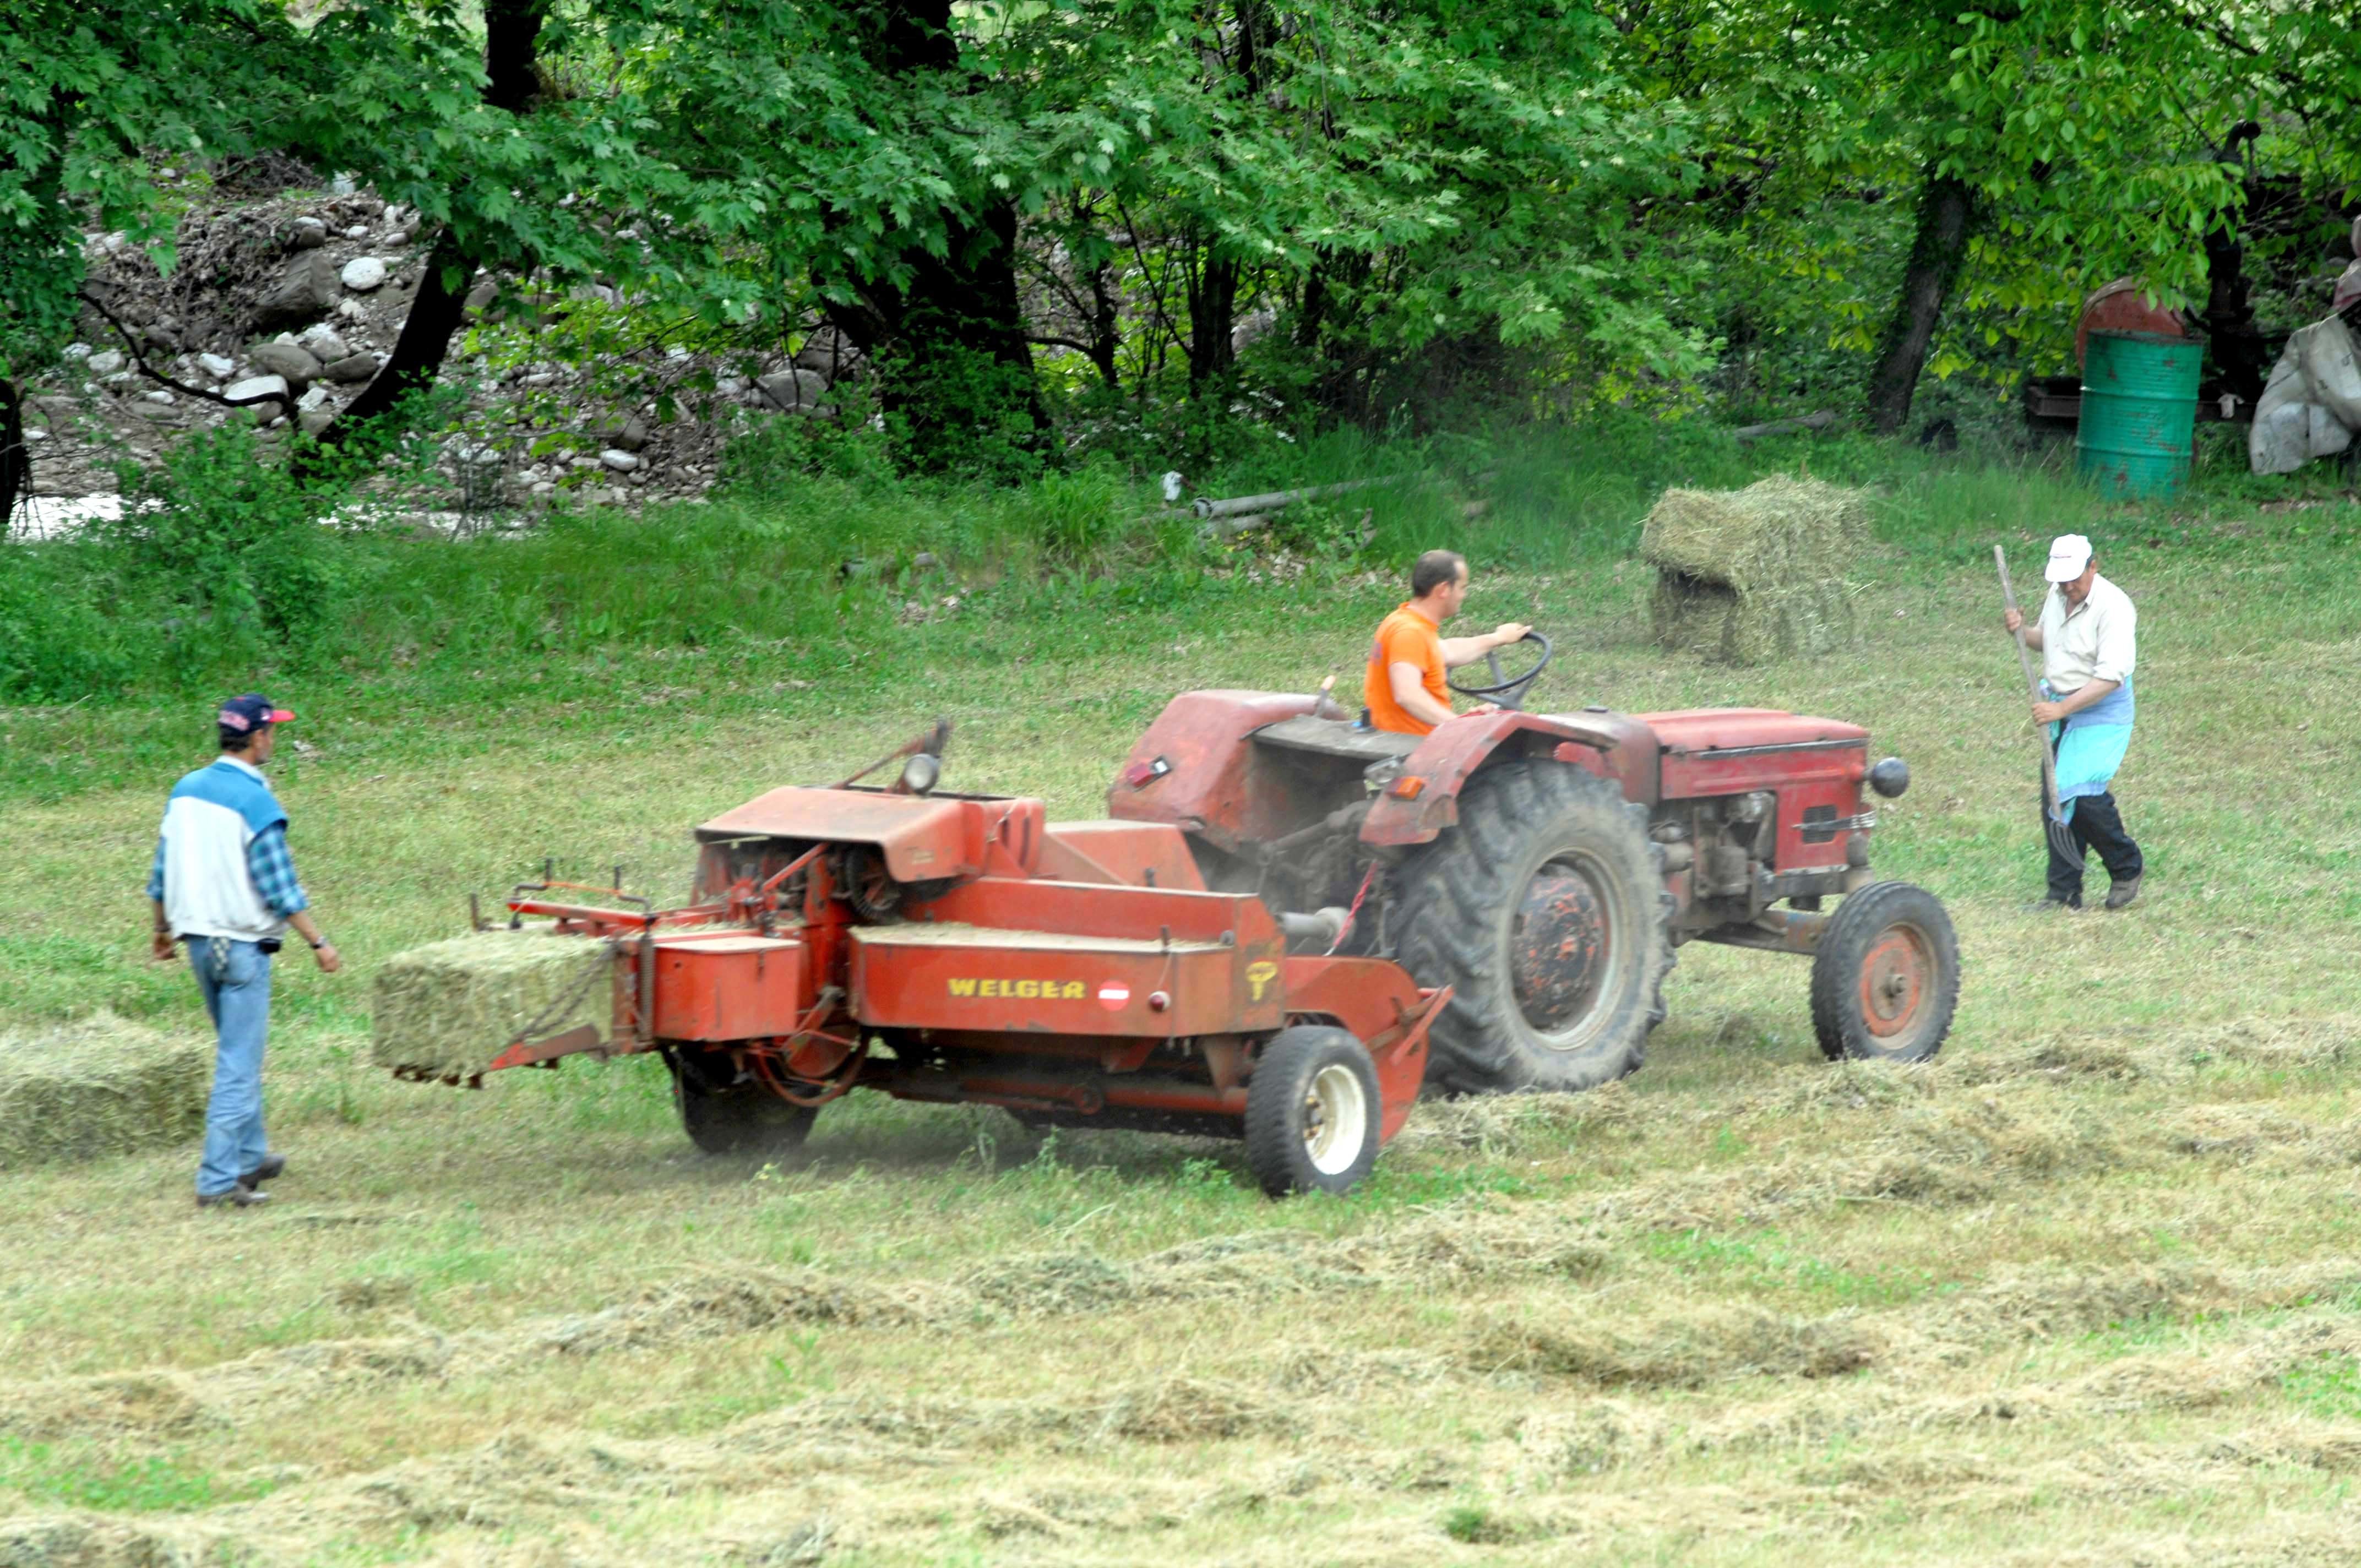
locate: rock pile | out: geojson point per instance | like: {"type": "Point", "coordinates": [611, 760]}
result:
{"type": "Point", "coordinates": [292, 303]}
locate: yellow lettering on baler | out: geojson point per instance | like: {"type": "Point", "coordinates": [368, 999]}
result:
{"type": "Point", "coordinates": [1025, 989]}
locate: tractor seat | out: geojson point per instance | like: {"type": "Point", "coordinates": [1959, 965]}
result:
{"type": "Point", "coordinates": [1333, 738]}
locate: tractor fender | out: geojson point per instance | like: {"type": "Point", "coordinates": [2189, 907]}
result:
{"type": "Point", "coordinates": [1424, 799]}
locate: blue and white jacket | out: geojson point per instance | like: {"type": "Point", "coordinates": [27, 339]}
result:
{"type": "Point", "coordinates": [221, 867]}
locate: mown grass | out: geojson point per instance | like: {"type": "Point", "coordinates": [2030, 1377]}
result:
{"type": "Point", "coordinates": [1745, 1308]}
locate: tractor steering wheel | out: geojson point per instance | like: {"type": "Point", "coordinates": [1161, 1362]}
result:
{"type": "Point", "coordinates": [1507, 691]}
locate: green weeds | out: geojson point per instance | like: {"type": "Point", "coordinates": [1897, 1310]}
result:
{"type": "Point", "coordinates": [79, 1475]}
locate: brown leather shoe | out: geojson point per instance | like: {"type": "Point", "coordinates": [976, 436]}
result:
{"type": "Point", "coordinates": [2121, 893]}
{"type": "Point", "coordinates": [236, 1198]}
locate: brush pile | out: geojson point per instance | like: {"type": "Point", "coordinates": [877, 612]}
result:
{"type": "Point", "coordinates": [98, 1086]}
{"type": "Point", "coordinates": [445, 1010]}
{"type": "Point", "coordinates": [1745, 576]}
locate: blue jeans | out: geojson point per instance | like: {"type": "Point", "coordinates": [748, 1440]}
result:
{"type": "Point", "coordinates": [235, 978]}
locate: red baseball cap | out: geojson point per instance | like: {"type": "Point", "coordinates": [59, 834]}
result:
{"type": "Point", "coordinates": [239, 715]}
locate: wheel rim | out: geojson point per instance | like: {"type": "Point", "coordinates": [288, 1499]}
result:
{"type": "Point", "coordinates": [1562, 950]}
{"type": "Point", "coordinates": [1897, 979]}
{"type": "Point", "coordinates": [1335, 1118]}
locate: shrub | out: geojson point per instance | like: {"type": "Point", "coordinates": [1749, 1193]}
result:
{"type": "Point", "coordinates": [233, 544]}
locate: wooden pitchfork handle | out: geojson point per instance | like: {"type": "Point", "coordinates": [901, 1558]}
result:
{"type": "Point", "coordinates": [2062, 842]}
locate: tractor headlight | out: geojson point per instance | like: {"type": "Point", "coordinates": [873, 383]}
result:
{"type": "Point", "coordinates": [1890, 777]}
{"type": "Point", "coordinates": [919, 773]}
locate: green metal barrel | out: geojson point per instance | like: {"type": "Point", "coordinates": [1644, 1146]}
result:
{"type": "Point", "coordinates": [2139, 411]}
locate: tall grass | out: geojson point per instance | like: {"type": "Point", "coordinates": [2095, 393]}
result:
{"type": "Point", "coordinates": [802, 565]}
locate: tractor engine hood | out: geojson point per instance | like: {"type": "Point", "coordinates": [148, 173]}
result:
{"type": "Point", "coordinates": [922, 837]}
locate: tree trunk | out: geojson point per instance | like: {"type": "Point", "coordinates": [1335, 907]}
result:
{"type": "Point", "coordinates": [511, 72]}
{"type": "Point", "coordinates": [1106, 327]}
{"type": "Point", "coordinates": [1947, 214]}
{"type": "Point", "coordinates": [2240, 357]}
{"type": "Point", "coordinates": [1213, 319]}
{"type": "Point", "coordinates": [950, 343]}
{"type": "Point", "coordinates": [436, 313]}
{"type": "Point", "coordinates": [15, 459]}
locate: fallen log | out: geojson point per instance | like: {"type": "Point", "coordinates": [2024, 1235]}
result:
{"type": "Point", "coordinates": [1819, 420]}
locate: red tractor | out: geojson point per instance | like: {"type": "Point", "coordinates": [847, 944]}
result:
{"type": "Point", "coordinates": [1287, 927]}
{"type": "Point", "coordinates": [1543, 867]}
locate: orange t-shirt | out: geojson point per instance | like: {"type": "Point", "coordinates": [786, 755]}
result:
{"type": "Point", "coordinates": [1405, 637]}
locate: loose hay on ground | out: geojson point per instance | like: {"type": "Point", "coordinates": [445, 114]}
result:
{"type": "Point", "coordinates": [446, 1009]}
{"type": "Point", "coordinates": [98, 1086]}
{"type": "Point", "coordinates": [1747, 576]}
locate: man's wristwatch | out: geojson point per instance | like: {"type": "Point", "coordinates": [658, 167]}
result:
{"type": "Point", "coordinates": [318, 944]}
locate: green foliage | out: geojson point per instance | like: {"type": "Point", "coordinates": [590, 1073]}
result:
{"type": "Point", "coordinates": [91, 94]}
{"type": "Point", "coordinates": [64, 633]}
{"type": "Point", "coordinates": [233, 550]}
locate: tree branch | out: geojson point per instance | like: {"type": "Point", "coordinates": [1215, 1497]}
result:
{"type": "Point", "coordinates": [286, 400]}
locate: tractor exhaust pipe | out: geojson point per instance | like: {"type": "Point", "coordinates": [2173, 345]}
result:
{"type": "Point", "coordinates": [1316, 932]}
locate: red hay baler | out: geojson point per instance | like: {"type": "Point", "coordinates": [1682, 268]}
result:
{"type": "Point", "coordinates": [958, 948]}
{"type": "Point", "coordinates": [1288, 925]}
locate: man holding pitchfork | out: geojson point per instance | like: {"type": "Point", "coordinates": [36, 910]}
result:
{"type": "Point", "coordinates": [2087, 636]}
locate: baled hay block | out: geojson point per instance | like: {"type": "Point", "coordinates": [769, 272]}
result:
{"type": "Point", "coordinates": [1747, 576]}
{"type": "Point", "coordinates": [448, 1008]}
{"type": "Point", "coordinates": [98, 1086]}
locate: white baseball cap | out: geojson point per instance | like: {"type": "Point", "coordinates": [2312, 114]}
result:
{"type": "Point", "coordinates": [2068, 553]}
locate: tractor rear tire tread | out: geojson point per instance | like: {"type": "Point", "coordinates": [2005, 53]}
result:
{"type": "Point", "coordinates": [1455, 893]}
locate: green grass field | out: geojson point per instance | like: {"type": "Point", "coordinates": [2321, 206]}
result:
{"type": "Point", "coordinates": [2084, 1290]}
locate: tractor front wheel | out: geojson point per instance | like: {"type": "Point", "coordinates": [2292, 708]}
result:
{"type": "Point", "coordinates": [1545, 911]}
{"type": "Point", "coordinates": [1312, 1111]}
{"type": "Point", "coordinates": [1885, 976]}
{"type": "Point", "coordinates": [725, 1112]}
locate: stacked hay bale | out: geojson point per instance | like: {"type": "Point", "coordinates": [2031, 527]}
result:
{"type": "Point", "coordinates": [98, 1086]}
{"type": "Point", "coordinates": [1747, 576]}
{"type": "Point", "coordinates": [445, 1010]}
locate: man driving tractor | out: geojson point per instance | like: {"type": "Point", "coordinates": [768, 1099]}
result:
{"type": "Point", "coordinates": [1404, 689]}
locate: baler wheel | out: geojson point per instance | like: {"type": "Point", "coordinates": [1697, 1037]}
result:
{"type": "Point", "coordinates": [736, 1117]}
{"type": "Point", "coordinates": [1885, 976]}
{"type": "Point", "coordinates": [1312, 1111]}
{"type": "Point", "coordinates": [1545, 911]}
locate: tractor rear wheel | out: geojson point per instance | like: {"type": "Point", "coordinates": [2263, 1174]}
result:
{"type": "Point", "coordinates": [1885, 976]}
{"type": "Point", "coordinates": [1545, 911]}
{"type": "Point", "coordinates": [1312, 1111]}
{"type": "Point", "coordinates": [724, 1112]}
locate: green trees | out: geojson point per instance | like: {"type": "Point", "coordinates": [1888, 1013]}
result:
{"type": "Point", "coordinates": [94, 97]}
{"type": "Point", "coordinates": [1157, 204]}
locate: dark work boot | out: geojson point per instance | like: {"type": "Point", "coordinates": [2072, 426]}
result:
{"type": "Point", "coordinates": [236, 1198]}
{"type": "Point", "coordinates": [2121, 893]}
{"type": "Point", "coordinates": [272, 1164]}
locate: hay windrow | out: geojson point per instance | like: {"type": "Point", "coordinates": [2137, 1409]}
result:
{"type": "Point", "coordinates": [98, 1086]}
{"type": "Point", "coordinates": [1743, 577]}
{"type": "Point", "coordinates": [446, 1009]}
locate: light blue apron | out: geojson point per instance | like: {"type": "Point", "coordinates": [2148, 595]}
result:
{"type": "Point", "coordinates": [2093, 746]}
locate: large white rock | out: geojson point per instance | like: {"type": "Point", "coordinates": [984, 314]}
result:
{"type": "Point", "coordinates": [618, 459]}
{"type": "Point", "coordinates": [255, 387]}
{"type": "Point", "coordinates": [106, 362]}
{"type": "Point", "coordinates": [795, 390]}
{"type": "Point", "coordinates": [363, 273]}
{"type": "Point", "coordinates": [217, 365]}
{"type": "Point", "coordinates": [322, 343]}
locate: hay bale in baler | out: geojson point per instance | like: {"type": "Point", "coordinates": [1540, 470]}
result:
{"type": "Point", "coordinates": [98, 1086]}
{"type": "Point", "coordinates": [446, 1009]}
{"type": "Point", "coordinates": [1747, 576]}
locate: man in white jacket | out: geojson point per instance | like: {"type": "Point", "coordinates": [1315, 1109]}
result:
{"type": "Point", "coordinates": [222, 883]}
